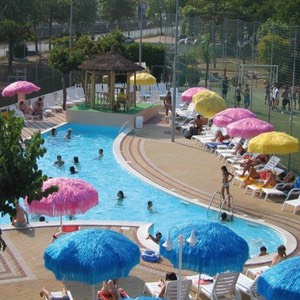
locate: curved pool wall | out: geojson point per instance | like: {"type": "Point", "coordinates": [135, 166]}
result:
{"type": "Point", "coordinates": [148, 220]}
{"type": "Point", "coordinates": [287, 238]}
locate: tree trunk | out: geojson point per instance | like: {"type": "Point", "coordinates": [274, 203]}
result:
{"type": "Point", "coordinates": [50, 31]}
{"type": "Point", "coordinates": [206, 73]}
{"type": "Point", "coordinates": [64, 86]}
{"type": "Point", "coordinates": [10, 56]}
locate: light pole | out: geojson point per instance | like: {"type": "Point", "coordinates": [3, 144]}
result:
{"type": "Point", "coordinates": [71, 34]}
{"type": "Point", "coordinates": [168, 244]}
{"type": "Point", "coordinates": [175, 73]}
{"type": "Point", "coordinates": [141, 32]}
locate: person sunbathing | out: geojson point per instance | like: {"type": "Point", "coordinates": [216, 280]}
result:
{"type": "Point", "coordinates": [163, 283]}
{"type": "Point", "coordinates": [49, 296]}
{"type": "Point", "coordinates": [286, 178]}
{"type": "Point", "coordinates": [267, 175]}
{"type": "Point", "coordinates": [219, 137]}
{"type": "Point", "coordinates": [254, 161]}
{"type": "Point", "coordinates": [111, 291]}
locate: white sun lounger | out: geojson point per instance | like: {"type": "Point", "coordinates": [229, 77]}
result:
{"type": "Point", "coordinates": [171, 289]}
{"type": "Point", "coordinates": [294, 203]}
{"type": "Point", "coordinates": [59, 295]}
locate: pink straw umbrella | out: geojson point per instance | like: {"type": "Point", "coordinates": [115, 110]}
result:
{"type": "Point", "coordinates": [20, 88]}
{"type": "Point", "coordinates": [187, 96]}
{"type": "Point", "coordinates": [248, 128]}
{"type": "Point", "coordinates": [229, 115]}
{"type": "Point", "coordinates": [74, 196]}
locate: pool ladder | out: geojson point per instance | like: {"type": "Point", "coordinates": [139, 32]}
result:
{"type": "Point", "coordinates": [217, 196]}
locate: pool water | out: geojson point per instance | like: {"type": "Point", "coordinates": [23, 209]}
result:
{"type": "Point", "coordinates": [108, 177]}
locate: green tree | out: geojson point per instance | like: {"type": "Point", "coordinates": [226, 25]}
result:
{"type": "Point", "coordinates": [112, 41]}
{"type": "Point", "coordinates": [65, 60]}
{"type": "Point", "coordinates": [116, 11]}
{"type": "Point", "coordinates": [156, 10]}
{"type": "Point", "coordinates": [20, 175]}
{"type": "Point", "coordinates": [13, 33]}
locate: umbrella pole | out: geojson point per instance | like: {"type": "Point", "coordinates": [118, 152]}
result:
{"type": "Point", "coordinates": [93, 292]}
{"type": "Point", "coordinates": [198, 288]}
{"type": "Point", "coordinates": [60, 222]}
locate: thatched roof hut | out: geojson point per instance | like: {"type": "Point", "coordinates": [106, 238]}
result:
{"type": "Point", "coordinates": [110, 64]}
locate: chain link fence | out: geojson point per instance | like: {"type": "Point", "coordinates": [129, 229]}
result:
{"type": "Point", "coordinates": [260, 55]}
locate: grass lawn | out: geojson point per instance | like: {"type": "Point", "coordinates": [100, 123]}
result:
{"type": "Point", "coordinates": [283, 121]}
{"type": "Point", "coordinates": [133, 110]}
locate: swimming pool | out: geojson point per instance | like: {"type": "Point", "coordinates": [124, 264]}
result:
{"type": "Point", "coordinates": [109, 177]}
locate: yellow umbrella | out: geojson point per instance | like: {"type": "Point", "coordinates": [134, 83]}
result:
{"type": "Point", "coordinates": [143, 79]}
{"type": "Point", "coordinates": [273, 143]}
{"type": "Point", "coordinates": [208, 103]}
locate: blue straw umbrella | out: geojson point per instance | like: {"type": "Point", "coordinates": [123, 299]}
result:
{"type": "Point", "coordinates": [91, 256]}
{"type": "Point", "coordinates": [282, 281]}
{"type": "Point", "coordinates": [218, 249]}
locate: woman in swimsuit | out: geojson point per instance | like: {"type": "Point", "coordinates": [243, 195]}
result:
{"type": "Point", "coordinates": [226, 178]}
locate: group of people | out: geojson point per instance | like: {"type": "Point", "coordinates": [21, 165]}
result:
{"type": "Point", "coordinates": [36, 110]}
{"type": "Point", "coordinates": [59, 162]}
{"type": "Point", "coordinates": [289, 96]}
{"type": "Point", "coordinates": [239, 92]}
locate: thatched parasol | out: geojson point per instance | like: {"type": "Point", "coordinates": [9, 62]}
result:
{"type": "Point", "coordinates": [110, 62]}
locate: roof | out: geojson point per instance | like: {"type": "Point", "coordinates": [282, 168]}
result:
{"type": "Point", "coordinates": [110, 62]}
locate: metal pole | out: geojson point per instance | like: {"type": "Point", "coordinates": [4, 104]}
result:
{"type": "Point", "coordinates": [71, 35]}
{"type": "Point", "coordinates": [293, 91]}
{"type": "Point", "coordinates": [141, 33]}
{"type": "Point", "coordinates": [175, 74]}
{"type": "Point", "coordinates": [179, 282]}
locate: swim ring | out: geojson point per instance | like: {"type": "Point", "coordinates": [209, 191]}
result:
{"type": "Point", "coordinates": [150, 256]}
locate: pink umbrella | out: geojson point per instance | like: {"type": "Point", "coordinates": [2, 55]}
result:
{"type": "Point", "coordinates": [74, 196]}
{"type": "Point", "coordinates": [229, 115]}
{"type": "Point", "coordinates": [248, 128]}
{"type": "Point", "coordinates": [187, 95]}
{"type": "Point", "coordinates": [20, 88]}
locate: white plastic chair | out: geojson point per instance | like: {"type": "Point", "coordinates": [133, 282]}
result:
{"type": "Point", "coordinates": [224, 287]}
{"type": "Point", "coordinates": [171, 289]}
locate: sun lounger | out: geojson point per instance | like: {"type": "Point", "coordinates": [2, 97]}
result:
{"type": "Point", "coordinates": [171, 289]}
{"type": "Point", "coordinates": [58, 295]}
{"type": "Point", "coordinates": [294, 203]}
{"type": "Point", "coordinates": [248, 286]}
{"type": "Point", "coordinates": [271, 191]}
{"type": "Point", "coordinates": [253, 272]}
{"type": "Point", "coordinates": [223, 287]}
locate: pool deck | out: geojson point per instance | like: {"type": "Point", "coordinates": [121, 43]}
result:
{"type": "Point", "coordinates": [178, 166]}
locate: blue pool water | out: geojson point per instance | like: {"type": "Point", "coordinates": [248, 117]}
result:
{"type": "Point", "coordinates": [109, 177]}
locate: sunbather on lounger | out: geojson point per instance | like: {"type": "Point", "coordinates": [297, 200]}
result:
{"type": "Point", "coordinates": [252, 162]}
{"type": "Point", "coordinates": [49, 296]}
{"type": "Point", "coordinates": [267, 175]}
{"type": "Point", "coordinates": [286, 178]}
{"type": "Point", "coordinates": [163, 283]}
{"type": "Point", "coordinates": [219, 137]}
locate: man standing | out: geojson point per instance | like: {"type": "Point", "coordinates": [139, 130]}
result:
{"type": "Point", "coordinates": [224, 88]}
{"type": "Point", "coordinates": [238, 95]}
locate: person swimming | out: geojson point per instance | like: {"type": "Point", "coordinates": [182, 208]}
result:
{"type": "Point", "coordinates": [120, 195]}
{"type": "Point", "coordinates": [68, 134]}
{"type": "Point", "coordinates": [59, 162]}
{"type": "Point", "coordinates": [73, 170]}
{"type": "Point", "coordinates": [100, 152]}
{"type": "Point", "coordinates": [150, 206]}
